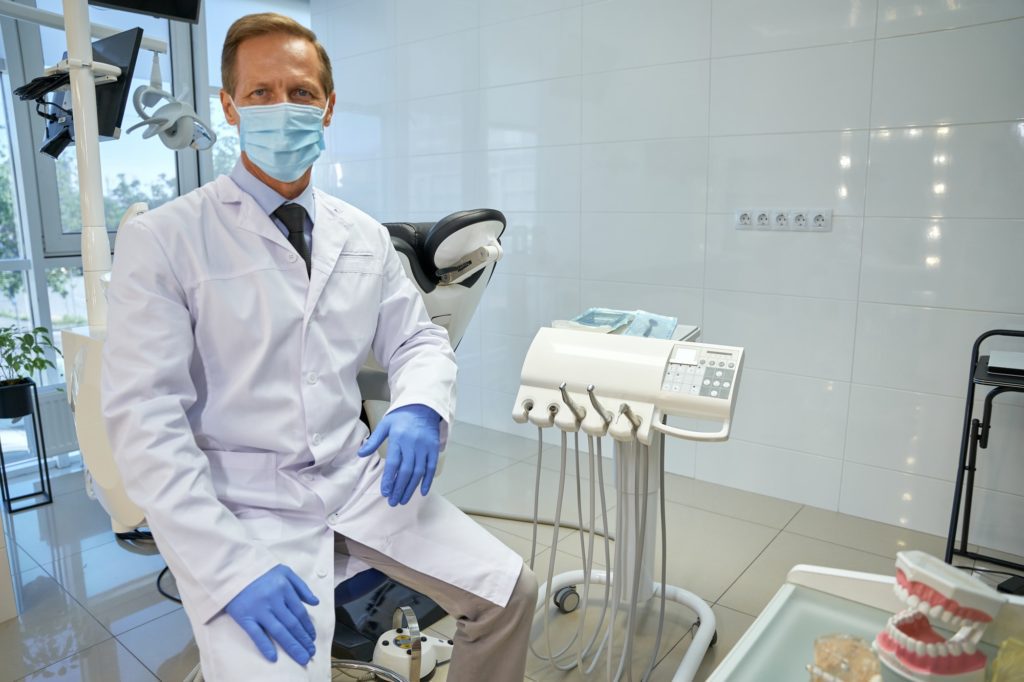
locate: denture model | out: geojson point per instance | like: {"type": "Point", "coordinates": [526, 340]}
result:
{"type": "Point", "coordinates": [935, 591]}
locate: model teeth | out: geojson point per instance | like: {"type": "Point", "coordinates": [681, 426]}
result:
{"type": "Point", "coordinates": [954, 648]}
{"type": "Point", "coordinates": [969, 647]}
{"type": "Point", "coordinates": [913, 600]}
{"type": "Point", "coordinates": [936, 611]}
{"type": "Point", "coordinates": [924, 607]}
{"type": "Point", "coordinates": [946, 616]}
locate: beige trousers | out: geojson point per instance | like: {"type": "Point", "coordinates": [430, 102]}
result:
{"type": "Point", "coordinates": [490, 641]}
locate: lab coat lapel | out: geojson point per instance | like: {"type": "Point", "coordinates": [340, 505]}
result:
{"type": "Point", "coordinates": [330, 232]}
{"type": "Point", "coordinates": [251, 217]}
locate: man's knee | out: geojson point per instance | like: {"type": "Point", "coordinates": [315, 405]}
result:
{"type": "Point", "coordinates": [524, 596]}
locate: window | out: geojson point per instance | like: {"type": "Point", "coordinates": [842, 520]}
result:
{"type": "Point", "coordinates": [225, 152]}
{"type": "Point", "coordinates": [125, 179]}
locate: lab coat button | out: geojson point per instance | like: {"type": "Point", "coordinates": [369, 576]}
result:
{"type": "Point", "coordinates": [312, 378]}
{"type": "Point", "coordinates": [321, 573]}
{"type": "Point", "coordinates": [308, 478]}
{"type": "Point", "coordinates": [333, 519]}
{"type": "Point", "coordinates": [292, 258]}
{"type": "Point", "coordinates": [317, 439]}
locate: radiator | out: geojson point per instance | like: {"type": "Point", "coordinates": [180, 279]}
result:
{"type": "Point", "coordinates": [57, 421]}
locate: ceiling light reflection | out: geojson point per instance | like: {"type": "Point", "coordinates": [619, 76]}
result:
{"type": "Point", "coordinates": [907, 497]}
{"type": "Point", "coordinates": [943, 131]}
{"type": "Point", "coordinates": [843, 191]}
{"type": "Point", "coordinates": [932, 261]}
{"type": "Point", "coordinates": [914, 132]}
{"type": "Point", "coordinates": [934, 233]}
{"type": "Point", "coordinates": [940, 159]}
{"type": "Point", "coordinates": [844, 161]}
{"type": "Point", "coordinates": [939, 188]}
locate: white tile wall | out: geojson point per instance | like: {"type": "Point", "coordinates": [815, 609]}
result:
{"type": "Point", "coordinates": [793, 170]}
{"type": "Point", "coordinates": [620, 137]}
{"type": "Point", "coordinates": [820, 88]}
{"type": "Point", "coordinates": [901, 17]}
{"type": "Point", "coordinates": [750, 26]}
{"type": "Point", "coordinates": [940, 78]}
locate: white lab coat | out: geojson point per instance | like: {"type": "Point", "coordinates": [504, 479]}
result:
{"type": "Point", "coordinates": [229, 391]}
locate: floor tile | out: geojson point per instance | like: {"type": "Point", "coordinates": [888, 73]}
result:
{"type": "Point", "coordinates": [863, 534]}
{"type": "Point", "coordinates": [464, 464]}
{"type": "Point", "coordinates": [164, 645]}
{"type": "Point", "coordinates": [707, 552]}
{"type": "Point", "coordinates": [523, 529]}
{"type": "Point", "coordinates": [73, 523]}
{"type": "Point", "coordinates": [730, 626]}
{"type": "Point", "coordinates": [504, 444]}
{"type": "Point", "coordinates": [51, 627]}
{"type": "Point", "coordinates": [116, 585]}
{"type": "Point", "coordinates": [511, 491]}
{"type": "Point", "coordinates": [62, 481]}
{"type": "Point", "coordinates": [21, 562]}
{"type": "Point", "coordinates": [763, 578]}
{"type": "Point", "coordinates": [768, 511]}
{"type": "Point", "coordinates": [107, 661]}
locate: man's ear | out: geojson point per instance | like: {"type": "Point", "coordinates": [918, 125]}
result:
{"type": "Point", "coordinates": [230, 112]}
{"type": "Point", "coordinates": [330, 109]}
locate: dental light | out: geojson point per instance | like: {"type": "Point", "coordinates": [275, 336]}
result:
{"type": "Point", "coordinates": [624, 387]}
{"type": "Point", "coordinates": [176, 122]}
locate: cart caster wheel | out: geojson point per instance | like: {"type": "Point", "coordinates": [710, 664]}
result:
{"type": "Point", "coordinates": [567, 599]}
{"type": "Point", "coordinates": [714, 639]}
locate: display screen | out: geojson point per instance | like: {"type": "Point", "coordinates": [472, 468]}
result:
{"type": "Point", "coordinates": [185, 10]}
{"type": "Point", "coordinates": [684, 356]}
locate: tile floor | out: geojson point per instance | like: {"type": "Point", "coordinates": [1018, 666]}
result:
{"type": "Point", "coordinates": [90, 611]}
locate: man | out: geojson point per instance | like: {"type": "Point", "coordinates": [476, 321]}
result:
{"type": "Point", "coordinates": [239, 316]}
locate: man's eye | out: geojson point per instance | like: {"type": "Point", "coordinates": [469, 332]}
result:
{"type": "Point", "coordinates": [303, 93]}
{"type": "Point", "coordinates": [259, 92]}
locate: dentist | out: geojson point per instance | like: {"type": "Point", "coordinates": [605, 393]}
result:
{"type": "Point", "coordinates": [239, 316]}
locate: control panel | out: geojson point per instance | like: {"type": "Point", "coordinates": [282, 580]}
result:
{"type": "Point", "coordinates": [698, 370]}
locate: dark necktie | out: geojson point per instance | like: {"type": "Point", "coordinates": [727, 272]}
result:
{"type": "Point", "coordinates": [294, 218]}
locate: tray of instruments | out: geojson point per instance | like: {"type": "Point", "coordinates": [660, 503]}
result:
{"type": "Point", "coordinates": [780, 643]}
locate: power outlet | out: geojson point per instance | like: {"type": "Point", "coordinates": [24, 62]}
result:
{"type": "Point", "coordinates": [821, 220]}
{"type": "Point", "coordinates": [784, 220]}
{"type": "Point", "coordinates": [799, 220]}
{"type": "Point", "coordinates": [744, 219]}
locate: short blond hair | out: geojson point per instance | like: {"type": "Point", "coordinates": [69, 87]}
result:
{"type": "Point", "coordinates": [253, 25]}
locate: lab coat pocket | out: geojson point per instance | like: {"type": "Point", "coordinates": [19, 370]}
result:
{"type": "Point", "coordinates": [359, 262]}
{"type": "Point", "coordinates": [352, 300]}
{"type": "Point", "coordinates": [245, 480]}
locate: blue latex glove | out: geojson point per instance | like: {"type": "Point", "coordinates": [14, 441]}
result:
{"type": "Point", "coordinates": [270, 609]}
{"type": "Point", "coordinates": [414, 438]}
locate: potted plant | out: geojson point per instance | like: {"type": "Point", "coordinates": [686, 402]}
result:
{"type": "Point", "coordinates": [22, 353]}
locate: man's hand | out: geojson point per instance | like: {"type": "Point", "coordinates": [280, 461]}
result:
{"type": "Point", "coordinates": [414, 438]}
{"type": "Point", "coordinates": [270, 609]}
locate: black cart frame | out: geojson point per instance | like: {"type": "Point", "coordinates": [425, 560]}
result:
{"type": "Point", "coordinates": [975, 435]}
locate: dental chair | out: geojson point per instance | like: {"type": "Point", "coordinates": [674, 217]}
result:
{"type": "Point", "coordinates": [451, 263]}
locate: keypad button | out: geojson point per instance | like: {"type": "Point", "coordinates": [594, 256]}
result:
{"type": "Point", "coordinates": [717, 383]}
{"type": "Point", "coordinates": [719, 373]}
{"type": "Point", "coordinates": [707, 382]}
{"type": "Point", "coordinates": [726, 384]}
{"type": "Point", "coordinates": [714, 394]}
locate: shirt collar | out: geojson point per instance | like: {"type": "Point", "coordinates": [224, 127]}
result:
{"type": "Point", "coordinates": [267, 198]}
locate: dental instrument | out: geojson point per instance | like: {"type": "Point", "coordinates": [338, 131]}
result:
{"type": "Point", "coordinates": [624, 387]}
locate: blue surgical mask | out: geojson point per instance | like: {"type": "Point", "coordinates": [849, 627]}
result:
{"type": "Point", "coordinates": [283, 140]}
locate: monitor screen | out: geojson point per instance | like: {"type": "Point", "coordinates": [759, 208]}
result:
{"type": "Point", "coordinates": [184, 10]}
{"type": "Point", "coordinates": [121, 50]}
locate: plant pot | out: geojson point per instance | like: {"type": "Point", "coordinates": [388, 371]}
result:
{"type": "Point", "coordinates": [16, 399]}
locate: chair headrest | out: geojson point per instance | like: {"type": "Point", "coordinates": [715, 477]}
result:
{"type": "Point", "coordinates": [431, 247]}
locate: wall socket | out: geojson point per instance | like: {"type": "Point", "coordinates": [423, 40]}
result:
{"type": "Point", "coordinates": [785, 220]}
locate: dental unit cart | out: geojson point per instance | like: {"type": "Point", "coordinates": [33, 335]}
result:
{"type": "Point", "coordinates": [625, 387]}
